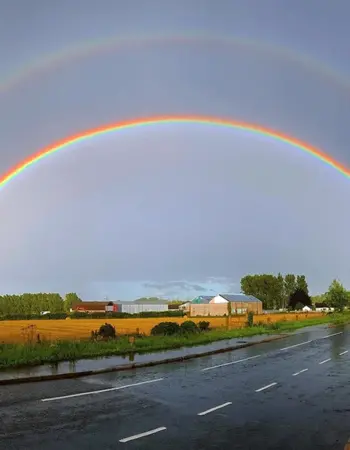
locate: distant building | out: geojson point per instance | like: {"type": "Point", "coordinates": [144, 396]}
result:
{"type": "Point", "coordinates": [323, 307]}
{"type": "Point", "coordinates": [136, 308]}
{"type": "Point", "coordinates": [91, 306]}
{"type": "Point", "coordinates": [218, 305]}
{"type": "Point", "coordinates": [202, 299]}
{"type": "Point", "coordinates": [306, 309]}
{"type": "Point", "coordinates": [185, 306]}
{"type": "Point", "coordinates": [127, 307]}
{"type": "Point", "coordinates": [240, 303]}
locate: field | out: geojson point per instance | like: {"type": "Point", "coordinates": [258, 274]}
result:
{"type": "Point", "coordinates": [71, 336]}
{"type": "Point", "coordinates": [20, 331]}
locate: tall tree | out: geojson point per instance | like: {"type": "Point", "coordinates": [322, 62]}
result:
{"type": "Point", "coordinates": [282, 300]}
{"type": "Point", "coordinates": [302, 284]}
{"type": "Point", "coordinates": [298, 299]}
{"type": "Point", "coordinates": [337, 296]}
{"type": "Point", "coordinates": [290, 285]}
{"type": "Point", "coordinates": [31, 303]}
{"type": "Point", "coordinates": [265, 287]}
{"type": "Point", "coordinates": [71, 300]}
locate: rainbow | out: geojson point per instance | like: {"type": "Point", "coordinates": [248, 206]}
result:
{"type": "Point", "coordinates": [158, 120]}
{"type": "Point", "coordinates": [89, 48]}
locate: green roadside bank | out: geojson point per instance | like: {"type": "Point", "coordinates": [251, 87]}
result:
{"type": "Point", "coordinates": [26, 355]}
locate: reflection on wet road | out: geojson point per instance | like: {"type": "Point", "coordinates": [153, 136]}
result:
{"type": "Point", "coordinates": [290, 394]}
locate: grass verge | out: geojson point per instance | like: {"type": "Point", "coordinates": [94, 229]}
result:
{"type": "Point", "coordinates": [21, 355]}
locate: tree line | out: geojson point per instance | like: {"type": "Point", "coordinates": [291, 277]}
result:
{"type": "Point", "coordinates": [274, 290]}
{"type": "Point", "coordinates": [288, 291]}
{"type": "Point", "coordinates": [37, 303]}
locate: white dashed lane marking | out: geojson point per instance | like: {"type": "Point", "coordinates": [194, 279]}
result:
{"type": "Point", "coordinates": [230, 363]}
{"type": "Point", "coordinates": [101, 391]}
{"type": "Point", "coordinates": [296, 345]}
{"type": "Point", "coordinates": [330, 335]}
{"type": "Point", "coordinates": [326, 360]}
{"type": "Point", "coordinates": [138, 436]}
{"type": "Point", "coordinates": [266, 387]}
{"type": "Point", "coordinates": [298, 373]}
{"type": "Point", "coordinates": [214, 409]}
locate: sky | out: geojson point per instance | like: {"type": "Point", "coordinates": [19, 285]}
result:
{"type": "Point", "coordinates": [172, 210]}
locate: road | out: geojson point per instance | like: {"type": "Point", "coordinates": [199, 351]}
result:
{"type": "Point", "coordinates": [288, 394]}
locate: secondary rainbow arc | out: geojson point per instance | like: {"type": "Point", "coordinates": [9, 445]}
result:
{"type": "Point", "coordinates": [89, 48]}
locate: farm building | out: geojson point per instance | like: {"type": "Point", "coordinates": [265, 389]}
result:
{"type": "Point", "coordinates": [185, 306]}
{"type": "Point", "coordinates": [126, 307]}
{"type": "Point", "coordinates": [218, 305]}
{"type": "Point", "coordinates": [202, 299]}
{"type": "Point", "coordinates": [91, 307]}
{"type": "Point", "coordinates": [306, 309]}
{"type": "Point", "coordinates": [136, 308]}
{"type": "Point", "coordinates": [323, 307]}
{"type": "Point", "coordinates": [240, 303]}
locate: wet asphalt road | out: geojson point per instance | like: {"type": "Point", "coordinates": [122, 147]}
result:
{"type": "Point", "coordinates": [288, 394]}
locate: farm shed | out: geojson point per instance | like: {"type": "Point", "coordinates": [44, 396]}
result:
{"type": "Point", "coordinates": [240, 303]}
{"type": "Point", "coordinates": [136, 308]}
{"type": "Point", "coordinates": [208, 309]}
{"type": "Point", "coordinates": [185, 306]}
{"type": "Point", "coordinates": [91, 307]}
{"type": "Point", "coordinates": [202, 299]}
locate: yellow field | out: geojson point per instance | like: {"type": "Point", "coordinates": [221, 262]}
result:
{"type": "Point", "coordinates": [18, 330]}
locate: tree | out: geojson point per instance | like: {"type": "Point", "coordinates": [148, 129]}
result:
{"type": "Point", "coordinates": [321, 298]}
{"type": "Point", "coordinates": [337, 296]}
{"type": "Point", "coordinates": [71, 300]}
{"type": "Point", "coordinates": [290, 285]}
{"type": "Point", "coordinates": [282, 300]}
{"type": "Point", "coordinates": [31, 303]}
{"type": "Point", "coordinates": [266, 287]}
{"type": "Point", "coordinates": [301, 283]}
{"type": "Point", "coordinates": [298, 299]}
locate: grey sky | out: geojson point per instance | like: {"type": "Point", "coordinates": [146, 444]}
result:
{"type": "Point", "coordinates": [173, 209]}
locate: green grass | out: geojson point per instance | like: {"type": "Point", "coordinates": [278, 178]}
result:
{"type": "Point", "coordinates": [19, 355]}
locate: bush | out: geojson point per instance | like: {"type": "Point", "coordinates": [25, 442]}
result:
{"type": "Point", "coordinates": [165, 329]}
{"type": "Point", "coordinates": [189, 327]}
{"type": "Point", "coordinates": [203, 325]}
{"type": "Point", "coordinates": [107, 331]}
{"type": "Point", "coordinates": [250, 321]}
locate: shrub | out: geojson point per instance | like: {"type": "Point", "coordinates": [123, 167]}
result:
{"type": "Point", "coordinates": [203, 325]}
{"type": "Point", "coordinates": [189, 327]}
{"type": "Point", "coordinates": [250, 321]}
{"type": "Point", "coordinates": [165, 329]}
{"type": "Point", "coordinates": [107, 331]}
